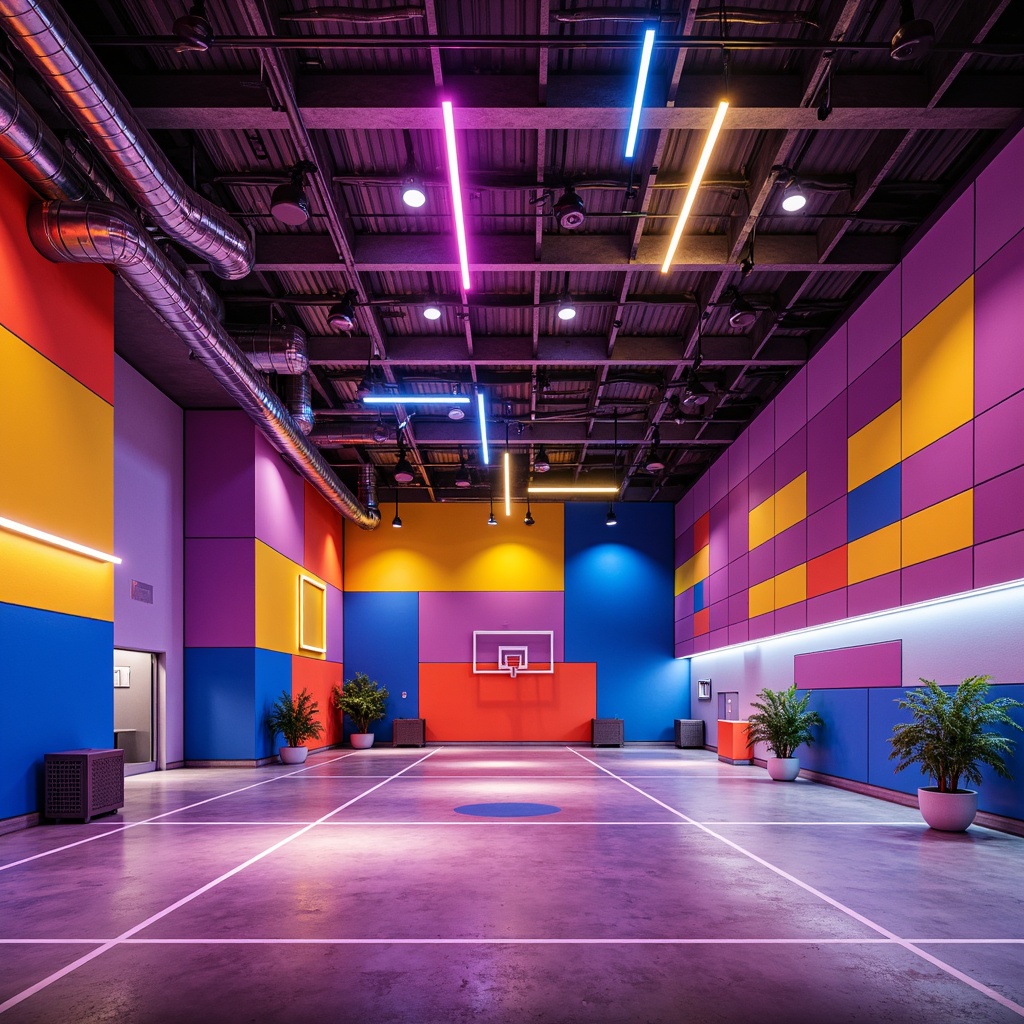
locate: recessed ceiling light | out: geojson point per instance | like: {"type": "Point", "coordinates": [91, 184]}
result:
{"type": "Point", "coordinates": [432, 312]}
{"type": "Point", "coordinates": [413, 192]}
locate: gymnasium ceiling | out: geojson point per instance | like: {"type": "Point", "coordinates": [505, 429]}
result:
{"type": "Point", "coordinates": [541, 92]}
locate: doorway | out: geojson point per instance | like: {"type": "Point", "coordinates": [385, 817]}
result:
{"type": "Point", "coordinates": [135, 732]}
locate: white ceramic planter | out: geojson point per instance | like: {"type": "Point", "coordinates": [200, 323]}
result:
{"type": "Point", "coordinates": [292, 755]}
{"type": "Point", "coordinates": [361, 740]}
{"type": "Point", "coordinates": [783, 769]}
{"type": "Point", "coordinates": [947, 812]}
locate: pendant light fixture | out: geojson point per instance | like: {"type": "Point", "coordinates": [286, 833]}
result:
{"type": "Point", "coordinates": [528, 520]}
{"type": "Point", "coordinates": [611, 519]}
{"type": "Point", "coordinates": [404, 473]}
{"type": "Point", "coordinates": [462, 478]}
{"type": "Point", "coordinates": [397, 521]}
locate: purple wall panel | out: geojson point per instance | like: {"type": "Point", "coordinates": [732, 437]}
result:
{"type": "Point", "coordinates": [791, 547]}
{"type": "Point", "coordinates": [826, 455]}
{"type": "Point", "coordinates": [447, 619]}
{"type": "Point", "coordinates": [215, 568]}
{"type": "Point", "coordinates": [999, 200]}
{"type": "Point", "coordinates": [875, 390]}
{"type": "Point", "coordinates": [684, 513]}
{"type": "Point", "coordinates": [826, 529]}
{"type": "Point", "coordinates": [874, 595]}
{"type": "Point", "coordinates": [739, 575]}
{"type": "Point", "coordinates": [948, 574]}
{"type": "Point", "coordinates": [739, 633]}
{"type": "Point", "coordinates": [826, 608]}
{"type": "Point", "coordinates": [999, 561]}
{"type": "Point", "coordinates": [684, 604]}
{"type": "Point", "coordinates": [850, 667]}
{"type": "Point", "coordinates": [998, 313]}
{"type": "Point", "coordinates": [739, 521]}
{"type": "Point", "coordinates": [793, 616]}
{"type": "Point", "coordinates": [719, 616]}
{"type": "Point", "coordinates": [738, 455]}
{"type": "Point", "coordinates": [761, 483]}
{"type": "Point", "coordinates": [719, 638]}
{"type": "Point", "coordinates": [761, 626]}
{"type": "Point", "coordinates": [999, 506]}
{"type": "Point", "coordinates": [701, 492]}
{"type": "Point", "coordinates": [826, 372]}
{"type": "Point", "coordinates": [875, 326]}
{"type": "Point", "coordinates": [220, 476]}
{"type": "Point", "coordinates": [701, 643]}
{"type": "Point", "coordinates": [280, 509]}
{"type": "Point", "coordinates": [762, 437]}
{"type": "Point", "coordinates": [999, 439]}
{"type": "Point", "coordinates": [791, 459]}
{"type": "Point", "coordinates": [761, 564]}
{"type": "Point", "coordinates": [719, 478]}
{"type": "Point", "coordinates": [791, 408]}
{"type": "Point", "coordinates": [718, 586]}
{"type": "Point", "coordinates": [335, 624]}
{"type": "Point", "coordinates": [939, 471]}
{"type": "Point", "coordinates": [739, 606]}
{"type": "Point", "coordinates": [719, 535]}
{"type": "Point", "coordinates": [684, 546]}
{"type": "Point", "coordinates": [684, 630]}
{"type": "Point", "coordinates": [684, 648]}
{"type": "Point", "coordinates": [940, 262]}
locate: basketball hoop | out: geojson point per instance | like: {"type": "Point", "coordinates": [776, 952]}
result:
{"type": "Point", "coordinates": [512, 664]}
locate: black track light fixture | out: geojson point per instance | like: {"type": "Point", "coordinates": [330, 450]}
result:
{"type": "Point", "coordinates": [404, 473]}
{"type": "Point", "coordinates": [569, 210]}
{"type": "Point", "coordinates": [655, 458]}
{"type": "Point", "coordinates": [462, 478]}
{"type": "Point", "coordinates": [914, 37]}
{"type": "Point", "coordinates": [342, 315]}
{"type": "Point", "coordinates": [741, 313]}
{"type": "Point", "coordinates": [528, 520]}
{"type": "Point", "coordinates": [794, 198]}
{"type": "Point", "coordinates": [540, 460]}
{"type": "Point", "coordinates": [397, 521]}
{"type": "Point", "coordinates": [193, 31]}
{"type": "Point", "coordinates": [289, 203]}
{"type": "Point", "coordinates": [611, 519]}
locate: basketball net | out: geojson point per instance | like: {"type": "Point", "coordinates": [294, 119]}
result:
{"type": "Point", "coordinates": [512, 664]}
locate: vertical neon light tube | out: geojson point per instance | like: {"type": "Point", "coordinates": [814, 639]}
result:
{"type": "Point", "coordinates": [508, 483]}
{"type": "Point", "coordinates": [698, 175]}
{"type": "Point", "coordinates": [453, 177]}
{"type": "Point", "coordinates": [641, 85]}
{"type": "Point", "coordinates": [485, 451]}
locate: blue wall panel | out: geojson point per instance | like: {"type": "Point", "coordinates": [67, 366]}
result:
{"type": "Point", "coordinates": [883, 714]}
{"type": "Point", "coordinates": [219, 707]}
{"type": "Point", "coordinates": [65, 665]}
{"type": "Point", "coordinates": [619, 601]}
{"type": "Point", "coordinates": [840, 747]}
{"type": "Point", "coordinates": [273, 673]}
{"type": "Point", "coordinates": [875, 504]}
{"type": "Point", "coordinates": [382, 639]}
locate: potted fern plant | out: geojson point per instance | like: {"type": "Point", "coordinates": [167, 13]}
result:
{"type": "Point", "coordinates": [950, 736]}
{"type": "Point", "coordinates": [781, 720]}
{"type": "Point", "coordinates": [365, 702]}
{"type": "Point", "coordinates": [296, 719]}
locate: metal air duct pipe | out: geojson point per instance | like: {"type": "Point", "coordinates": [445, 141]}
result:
{"type": "Point", "coordinates": [297, 393]}
{"type": "Point", "coordinates": [279, 349]}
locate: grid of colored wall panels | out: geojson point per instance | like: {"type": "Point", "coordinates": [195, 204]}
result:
{"type": "Point", "coordinates": [890, 470]}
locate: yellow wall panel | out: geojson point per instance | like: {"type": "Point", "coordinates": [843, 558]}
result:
{"type": "Point", "coordinates": [56, 449]}
{"type": "Point", "coordinates": [791, 586]}
{"type": "Point", "coordinates": [693, 570]}
{"type": "Point", "coordinates": [451, 547]}
{"type": "Point", "coordinates": [791, 504]}
{"type": "Point", "coordinates": [938, 371]}
{"type": "Point", "coordinates": [874, 555]}
{"type": "Point", "coordinates": [939, 529]}
{"type": "Point", "coordinates": [762, 522]}
{"type": "Point", "coordinates": [37, 575]}
{"type": "Point", "coordinates": [761, 598]}
{"type": "Point", "coordinates": [277, 602]}
{"type": "Point", "coordinates": [874, 448]}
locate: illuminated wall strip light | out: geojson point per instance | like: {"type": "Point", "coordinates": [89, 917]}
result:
{"type": "Point", "coordinates": [641, 85]}
{"type": "Point", "coordinates": [60, 542]}
{"type": "Point", "coordinates": [486, 452]}
{"type": "Point", "coordinates": [698, 175]}
{"type": "Point", "coordinates": [453, 177]}
{"type": "Point", "coordinates": [416, 399]}
{"type": "Point", "coordinates": [569, 489]}
{"type": "Point", "coordinates": [508, 483]}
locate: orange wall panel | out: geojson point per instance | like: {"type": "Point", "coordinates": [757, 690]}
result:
{"type": "Point", "coordinates": [460, 706]}
{"type": "Point", "coordinates": [322, 538]}
{"type": "Point", "coordinates": [320, 678]}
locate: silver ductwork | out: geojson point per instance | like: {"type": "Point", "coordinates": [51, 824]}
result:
{"type": "Point", "coordinates": [55, 49]}
{"type": "Point", "coordinates": [277, 349]}
{"type": "Point", "coordinates": [297, 394]}
{"type": "Point", "coordinates": [331, 435]}
{"type": "Point", "coordinates": [102, 233]}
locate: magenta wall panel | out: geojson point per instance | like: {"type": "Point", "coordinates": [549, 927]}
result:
{"type": "Point", "coordinates": [220, 475]}
{"type": "Point", "coordinates": [761, 626]}
{"type": "Point", "coordinates": [826, 528]}
{"type": "Point", "coordinates": [718, 586]}
{"type": "Point", "coordinates": [874, 595]}
{"type": "Point", "coordinates": [739, 460]}
{"type": "Point", "coordinates": [874, 391]}
{"type": "Point", "coordinates": [220, 592]}
{"type": "Point", "coordinates": [335, 624]}
{"type": "Point", "coordinates": [791, 459]}
{"type": "Point", "coordinates": [826, 455]}
{"type": "Point", "coordinates": [940, 262]}
{"type": "Point", "coordinates": [738, 608]}
{"type": "Point", "coordinates": [739, 576]}
{"type": "Point", "coordinates": [719, 539]}
{"type": "Point", "coordinates": [998, 314]}
{"type": "Point", "coordinates": [684, 604]}
{"type": "Point", "coordinates": [702, 643]}
{"type": "Point", "coordinates": [875, 326]}
{"type": "Point", "coordinates": [850, 667]}
{"type": "Point", "coordinates": [719, 617]}
{"type": "Point", "coordinates": [279, 503]}
{"type": "Point", "coordinates": [739, 633]}
{"type": "Point", "coordinates": [739, 521]}
{"type": "Point", "coordinates": [791, 547]}
{"type": "Point", "coordinates": [684, 546]}
{"type": "Point", "coordinates": [793, 616]}
{"type": "Point", "coordinates": [701, 497]}
{"type": "Point", "coordinates": [761, 483]}
{"type": "Point", "coordinates": [684, 513]}
{"type": "Point", "coordinates": [683, 648]}
{"type": "Point", "coordinates": [761, 563]}
{"type": "Point", "coordinates": [999, 439]}
{"type": "Point", "coordinates": [999, 200]}
{"type": "Point", "coordinates": [719, 638]}
{"type": "Point", "coordinates": [791, 408]}
{"type": "Point", "coordinates": [948, 574]}
{"type": "Point", "coordinates": [997, 506]}
{"type": "Point", "coordinates": [826, 373]}
{"type": "Point", "coordinates": [719, 475]}
{"type": "Point", "coordinates": [826, 608]}
{"type": "Point", "coordinates": [447, 619]}
{"type": "Point", "coordinates": [761, 434]}
{"type": "Point", "coordinates": [999, 561]}
{"type": "Point", "coordinates": [939, 471]}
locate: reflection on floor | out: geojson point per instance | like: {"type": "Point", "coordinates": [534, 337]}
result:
{"type": "Point", "coordinates": [643, 884]}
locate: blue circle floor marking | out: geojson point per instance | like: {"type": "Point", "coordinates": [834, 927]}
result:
{"type": "Point", "coordinates": [507, 810]}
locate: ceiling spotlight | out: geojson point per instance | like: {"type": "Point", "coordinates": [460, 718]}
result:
{"type": "Point", "coordinates": [743, 313]}
{"type": "Point", "coordinates": [414, 193]}
{"type": "Point", "coordinates": [655, 459]}
{"type": "Point", "coordinates": [914, 37]}
{"type": "Point", "coordinates": [566, 309]}
{"type": "Point", "coordinates": [432, 312]}
{"type": "Point", "coordinates": [289, 203]}
{"type": "Point", "coordinates": [695, 396]}
{"type": "Point", "coordinates": [462, 478]}
{"type": "Point", "coordinates": [540, 460]}
{"type": "Point", "coordinates": [404, 473]}
{"type": "Point", "coordinates": [342, 315]}
{"type": "Point", "coordinates": [611, 519]}
{"type": "Point", "coordinates": [528, 519]}
{"type": "Point", "coordinates": [794, 199]}
{"type": "Point", "coordinates": [491, 521]}
{"type": "Point", "coordinates": [397, 521]}
{"type": "Point", "coordinates": [457, 412]}
{"type": "Point", "coordinates": [569, 210]}
{"type": "Point", "coordinates": [193, 32]}
{"type": "Point", "coordinates": [380, 433]}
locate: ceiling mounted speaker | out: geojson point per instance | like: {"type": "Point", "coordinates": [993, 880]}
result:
{"type": "Point", "coordinates": [193, 32]}
{"type": "Point", "coordinates": [569, 210]}
{"type": "Point", "coordinates": [914, 37]}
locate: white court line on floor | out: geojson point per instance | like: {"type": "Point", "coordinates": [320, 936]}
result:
{"type": "Point", "coordinates": [195, 894]}
{"type": "Point", "coordinates": [949, 969]}
{"type": "Point", "coordinates": [548, 821]}
{"type": "Point", "coordinates": [147, 821]}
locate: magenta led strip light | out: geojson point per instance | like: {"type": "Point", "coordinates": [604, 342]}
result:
{"type": "Point", "coordinates": [453, 177]}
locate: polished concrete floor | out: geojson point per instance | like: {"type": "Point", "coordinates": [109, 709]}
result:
{"type": "Point", "coordinates": [508, 884]}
